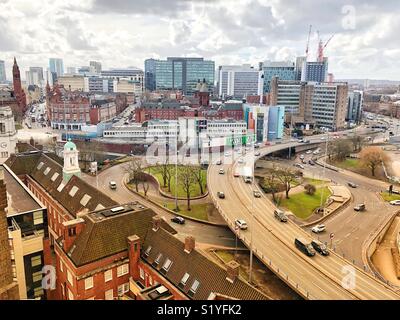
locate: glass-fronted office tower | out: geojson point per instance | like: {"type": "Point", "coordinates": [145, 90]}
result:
{"type": "Point", "coordinates": [178, 74]}
{"type": "Point", "coordinates": [284, 70]}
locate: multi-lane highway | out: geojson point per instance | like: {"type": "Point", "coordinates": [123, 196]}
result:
{"type": "Point", "coordinates": [318, 277]}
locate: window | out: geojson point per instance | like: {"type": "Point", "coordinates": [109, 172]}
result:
{"type": "Point", "coordinates": [122, 270]}
{"type": "Point", "coordinates": [157, 261]}
{"type": "Point", "coordinates": [36, 261]}
{"type": "Point", "coordinates": [184, 280]}
{"type": "Point", "coordinates": [4, 154]}
{"type": "Point", "coordinates": [72, 231]}
{"type": "Point", "coordinates": [37, 276]}
{"type": "Point", "coordinates": [193, 288]}
{"type": "Point", "coordinates": [150, 281]}
{"type": "Point", "coordinates": [61, 266]}
{"type": "Point", "coordinates": [147, 252]}
{"type": "Point", "coordinates": [55, 176]}
{"type": "Point", "coordinates": [40, 165]}
{"type": "Point", "coordinates": [141, 271]}
{"type": "Point", "coordinates": [85, 199]}
{"type": "Point", "coordinates": [124, 288]}
{"type": "Point", "coordinates": [73, 191]}
{"type": "Point", "coordinates": [69, 278]}
{"type": "Point", "coordinates": [38, 217]}
{"type": "Point", "coordinates": [108, 275]}
{"type": "Point", "coordinates": [109, 294]}
{"type": "Point", "coordinates": [61, 187]}
{"type": "Point", "coordinates": [46, 172]}
{"type": "Point", "coordinates": [88, 283]}
{"type": "Point", "coordinates": [38, 292]}
{"type": "Point", "coordinates": [166, 266]}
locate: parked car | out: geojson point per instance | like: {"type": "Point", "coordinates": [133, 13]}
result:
{"type": "Point", "coordinates": [241, 160]}
{"type": "Point", "coordinates": [311, 162]}
{"type": "Point", "coordinates": [352, 184]}
{"type": "Point", "coordinates": [302, 156]}
{"type": "Point", "coordinates": [227, 154]}
{"type": "Point", "coordinates": [257, 194]}
{"type": "Point", "coordinates": [113, 185]}
{"type": "Point", "coordinates": [316, 152]}
{"type": "Point", "coordinates": [221, 171]}
{"type": "Point", "coordinates": [299, 165]}
{"type": "Point", "coordinates": [221, 195]}
{"type": "Point", "coordinates": [257, 153]}
{"type": "Point", "coordinates": [308, 152]}
{"type": "Point", "coordinates": [178, 220]}
{"type": "Point", "coordinates": [280, 215]}
{"type": "Point", "coordinates": [219, 162]}
{"type": "Point", "coordinates": [304, 246]}
{"type": "Point", "coordinates": [318, 228]}
{"type": "Point", "coordinates": [360, 207]}
{"type": "Point", "coordinates": [320, 247]}
{"type": "Point", "coordinates": [241, 224]}
{"type": "Point", "coordinates": [395, 202]}
{"type": "Point", "coordinates": [236, 175]}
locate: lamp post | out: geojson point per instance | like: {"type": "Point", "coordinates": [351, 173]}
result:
{"type": "Point", "coordinates": [176, 170]}
{"type": "Point", "coordinates": [252, 220]}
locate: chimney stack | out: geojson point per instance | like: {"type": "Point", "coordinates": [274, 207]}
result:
{"type": "Point", "coordinates": [232, 270]}
{"type": "Point", "coordinates": [156, 222]}
{"type": "Point", "coordinates": [190, 244]}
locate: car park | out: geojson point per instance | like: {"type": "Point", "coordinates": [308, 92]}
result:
{"type": "Point", "coordinates": [241, 224]}
{"type": "Point", "coordinates": [360, 207]}
{"type": "Point", "coordinates": [395, 202]}
{"type": "Point", "coordinates": [280, 215]}
{"type": "Point", "coordinates": [304, 246]}
{"type": "Point", "coordinates": [320, 247]}
{"type": "Point", "coordinates": [318, 228]}
{"type": "Point", "coordinates": [221, 195]}
{"type": "Point", "coordinates": [257, 194]}
{"type": "Point", "coordinates": [178, 220]}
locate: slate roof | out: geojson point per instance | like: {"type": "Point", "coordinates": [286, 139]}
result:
{"type": "Point", "coordinates": [48, 173]}
{"type": "Point", "coordinates": [212, 278]}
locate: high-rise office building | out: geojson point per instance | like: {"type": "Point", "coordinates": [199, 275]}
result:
{"type": "Point", "coordinates": [284, 70]}
{"type": "Point", "coordinates": [315, 71]}
{"type": "Point", "coordinates": [3, 77]}
{"type": "Point", "coordinates": [177, 73]}
{"type": "Point", "coordinates": [299, 66]}
{"type": "Point", "coordinates": [95, 67]}
{"type": "Point", "coordinates": [239, 81]}
{"type": "Point", "coordinates": [355, 102]}
{"type": "Point", "coordinates": [35, 76]}
{"type": "Point", "coordinates": [56, 66]}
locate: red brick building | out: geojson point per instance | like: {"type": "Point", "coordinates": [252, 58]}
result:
{"type": "Point", "coordinates": [18, 91]}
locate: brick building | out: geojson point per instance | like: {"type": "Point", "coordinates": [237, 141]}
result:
{"type": "Point", "coordinates": [104, 250]}
{"type": "Point", "coordinates": [18, 91]}
{"type": "Point", "coordinates": [8, 287]}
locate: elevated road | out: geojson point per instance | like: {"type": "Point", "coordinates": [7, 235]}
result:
{"type": "Point", "coordinates": [318, 277]}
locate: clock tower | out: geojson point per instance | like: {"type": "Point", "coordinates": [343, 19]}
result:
{"type": "Point", "coordinates": [71, 163]}
{"type": "Point", "coordinates": [8, 134]}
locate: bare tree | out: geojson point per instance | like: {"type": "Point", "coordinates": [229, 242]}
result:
{"type": "Point", "coordinates": [310, 189]}
{"type": "Point", "coordinates": [287, 177]}
{"type": "Point", "coordinates": [357, 141]}
{"type": "Point", "coordinates": [145, 185]}
{"type": "Point", "coordinates": [88, 150]}
{"type": "Point", "coordinates": [271, 183]}
{"type": "Point", "coordinates": [187, 180]}
{"type": "Point", "coordinates": [372, 157]}
{"type": "Point", "coordinates": [134, 168]}
{"type": "Point", "coordinates": [166, 171]}
{"type": "Point", "coordinates": [339, 149]}
{"type": "Point", "coordinates": [199, 177]}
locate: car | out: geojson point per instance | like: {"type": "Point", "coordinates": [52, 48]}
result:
{"type": "Point", "coordinates": [323, 138]}
{"type": "Point", "coordinates": [301, 140]}
{"type": "Point", "coordinates": [113, 185]}
{"type": "Point", "coordinates": [308, 152]}
{"type": "Point", "coordinates": [219, 162]}
{"type": "Point", "coordinates": [178, 220]}
{"type": "Point", "coordinates": [302, 156]}
{"type": "Point", "coordinates": [316, 152]}
{"type": "Point", "coordinates": [241, 160]}
{"type": "Point", "coordinates": [280, 215]}
{"type": "Point", "coordinates": [299, 165]}
{"type": "Point", "coordinates": [241, 224]}
{"type": "Point", "coordinates": [236, 175]}
{"type": "Point", "coordinates": [257, 145]}
{"type": "Point", "coordinates": [360, 207]}
{"type": "Point", "coordinates": [257, 194]}
{"type": "Point", "coordinates": [352, 184]}
{"type": "Point", "coordinates": [257, 153]}
{"type": "Point", "coordinates": [221, 171]}
{"type": "Point", "coordinates": [221, 195]}
{"type": "Point", "coordinates": [267, 143]}
{"type": "Point", "coordinates": [320, 247]}
{"type": "Point", "coordinates": [311, 162]}
{"type": "Point", "coordinates": [318, 228]}
{"type": "Point", "coordinates": [304, 246]}
{"type": "Point", "coordinates": [227, 154]}
{"type": "Point", "coordinates": [395, 202]}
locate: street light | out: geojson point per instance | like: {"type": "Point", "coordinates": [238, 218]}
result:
{"type": "Point", "coordinates": [252, 219]}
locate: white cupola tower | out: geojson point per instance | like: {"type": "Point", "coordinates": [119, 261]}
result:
{"type": "Point", "coordinates": [71, 164]}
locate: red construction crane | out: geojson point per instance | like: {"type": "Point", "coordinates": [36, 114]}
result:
{"type": "Point", "coordinates": [321, 47]}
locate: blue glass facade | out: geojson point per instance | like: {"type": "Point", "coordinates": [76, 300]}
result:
{"type": "Point", "coordinates": [283, 73]}
{"type": "Point", "coordinates": [316, 71]}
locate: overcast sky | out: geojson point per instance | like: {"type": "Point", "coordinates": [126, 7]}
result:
{"type": "Point", "coordinates": [122, 33]}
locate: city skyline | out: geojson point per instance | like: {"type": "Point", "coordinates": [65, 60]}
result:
{"type": "Point", "coordinates": [251, 31]}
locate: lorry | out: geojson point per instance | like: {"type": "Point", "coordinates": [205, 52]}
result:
{"type": "Point", "coordinates": [247, 174]}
